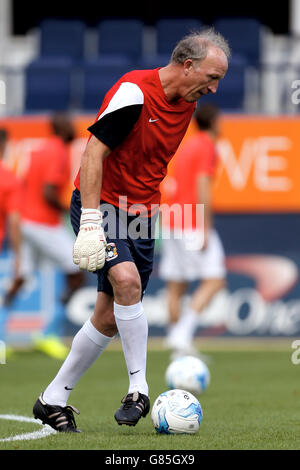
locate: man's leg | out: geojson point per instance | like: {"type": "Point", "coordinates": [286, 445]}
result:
{"type": "Point", "coordinates": [88, 344]}
{"type": "Point", "coordinates": [175, 291]}
{"type": "Point", "coordinates": [208, 265]}
{"type": "Point", "coordinates": [28, 260]}
{"type": "Point", "coordinates": [74, 281]}
{"type": "Point", "coordinates": [205, 292]}
{"type": "Point", "coordinates": [188, 321]}
{"type": "Point", "coordinates": [133, 329]}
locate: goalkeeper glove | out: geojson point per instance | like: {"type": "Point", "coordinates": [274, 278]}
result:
{"type": "Point", "coordinates": [89, 247]}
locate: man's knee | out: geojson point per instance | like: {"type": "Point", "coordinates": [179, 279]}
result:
{"type": "Point", "coordinates": [126, 283]}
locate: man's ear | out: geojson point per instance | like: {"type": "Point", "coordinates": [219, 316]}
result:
{"type": "Point", "coordinates": [187, 66]}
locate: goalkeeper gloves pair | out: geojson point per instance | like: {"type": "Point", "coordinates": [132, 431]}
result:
{"type": "Point", "coordinates": [90, 244]}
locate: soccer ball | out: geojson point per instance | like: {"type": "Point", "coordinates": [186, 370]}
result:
{"type": "Point", "coordinates": [176, 412]}
{"type": "Point", "coordinates": [188, 373]}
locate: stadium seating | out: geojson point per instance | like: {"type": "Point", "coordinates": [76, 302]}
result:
{"type": "Point", "coordinates": [153, 61]}
{"type": "Point", "coordinates": [48, 85]}
{"type": "Point", "coordinates": [121, 36]}
{"type": "Point", "coordinates": [170, 30]}
{"type": "Point", "coordinates": [243, 35]}
{"type": "Point", "coordinates": [98, 76]}
{"type": "Point", "coordinates": [61, 38]}
{"type": "Point", "coordinates": [63, 78]}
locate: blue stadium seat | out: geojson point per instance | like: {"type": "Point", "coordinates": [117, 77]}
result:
{"type": "Point", "coordinates": [48, 85]}
{"type": "Point", "coordinates": [153, 62]}
{"type": "Point", "coordinates": [243, 35]}
{"type": "Point", "coordinates": [230, 95]}
{"type": "Point", "coordinates": [170, 30]}
{"type": "Point", "coordinates": [98, 77]}
{"type": "Point", "coordinates": [62, 38]}
{"type": "Point", "coordinates": [121, 36]}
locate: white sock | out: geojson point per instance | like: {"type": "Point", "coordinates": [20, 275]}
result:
{"type": "Point", "coordinates": [87, 346]}
{"type": "Point", "coordinates": [187, 324]}
{"type": "Point", "coordinates": [170, 329]}
{"type": "Point", "coordinates": [133, 329]}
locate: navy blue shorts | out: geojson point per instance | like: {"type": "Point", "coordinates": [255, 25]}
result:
{"type": "Point", "coordinates": [121, 246]}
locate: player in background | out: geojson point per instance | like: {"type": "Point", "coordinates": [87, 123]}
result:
{"type": "Point", "coordinates": [10, 204]}
{"type": "Point", "coordinates": [45, 236]}
{"type": "Point", "coordinates": [199, 254]}
{"type": "Point", "coordinates": [139, 127]}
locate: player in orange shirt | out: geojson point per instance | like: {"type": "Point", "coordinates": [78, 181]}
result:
{"type": "Point", "coordinates": [44, 232]}
{"type": "Point", "coordinates": [194, 251]}
{"type": "Point", "coordinates": [9, 219]}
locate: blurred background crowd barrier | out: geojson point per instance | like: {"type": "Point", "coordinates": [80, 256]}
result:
{"type": "Point", "coordinates": [68, 65]}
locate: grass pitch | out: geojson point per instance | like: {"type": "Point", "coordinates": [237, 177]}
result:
{"type": "Point", "coordinates": [252, 401]}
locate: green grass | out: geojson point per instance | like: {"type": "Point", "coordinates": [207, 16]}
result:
{"type": "Point", "coordinates": [251, 403]}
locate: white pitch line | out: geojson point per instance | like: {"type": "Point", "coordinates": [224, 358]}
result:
{"type": "Point", "coordinates": [44, 432]}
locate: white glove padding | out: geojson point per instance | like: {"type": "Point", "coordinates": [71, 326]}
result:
{"type": "Point", "coordinates": [89, 247]}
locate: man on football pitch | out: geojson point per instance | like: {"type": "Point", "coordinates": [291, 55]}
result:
{"type": "Point", "coordinates": [141, 123]}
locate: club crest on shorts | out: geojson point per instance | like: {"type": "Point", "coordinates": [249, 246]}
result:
{"type": "Point", "coordinates": [111, 251]}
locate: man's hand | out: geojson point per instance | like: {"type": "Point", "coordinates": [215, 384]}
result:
{"type": "Point", "coordinates": [13, 290]}
{"type": "Point", "coordinates": [89, 247]}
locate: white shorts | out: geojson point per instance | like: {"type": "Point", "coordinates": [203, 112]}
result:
{"type": "Point", "coordinates": [46, 243]}
{"type": "Point", "coordinates": [177, 263]}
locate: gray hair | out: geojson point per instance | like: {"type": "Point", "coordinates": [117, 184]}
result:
{"type": "Point", "coordinates": [195, 45]}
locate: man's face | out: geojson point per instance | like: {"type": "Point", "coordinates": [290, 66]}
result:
{"type": "Point", "coordinates": [202, 77]}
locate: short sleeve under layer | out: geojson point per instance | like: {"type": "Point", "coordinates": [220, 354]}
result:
{"type": "Point", "coordinates": [122, 112]}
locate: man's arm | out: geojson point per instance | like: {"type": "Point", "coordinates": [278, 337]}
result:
{"type": "Point", "coordinates": [50, 192]}
{"type": "Point", "coordinates": [111, 128]}
{"type": "Point", "coordinates": [14, 237]}
{"type": "Point", "coordinates": [91, 172]}
{"type": "Point", "coordinates": [89, 247]}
